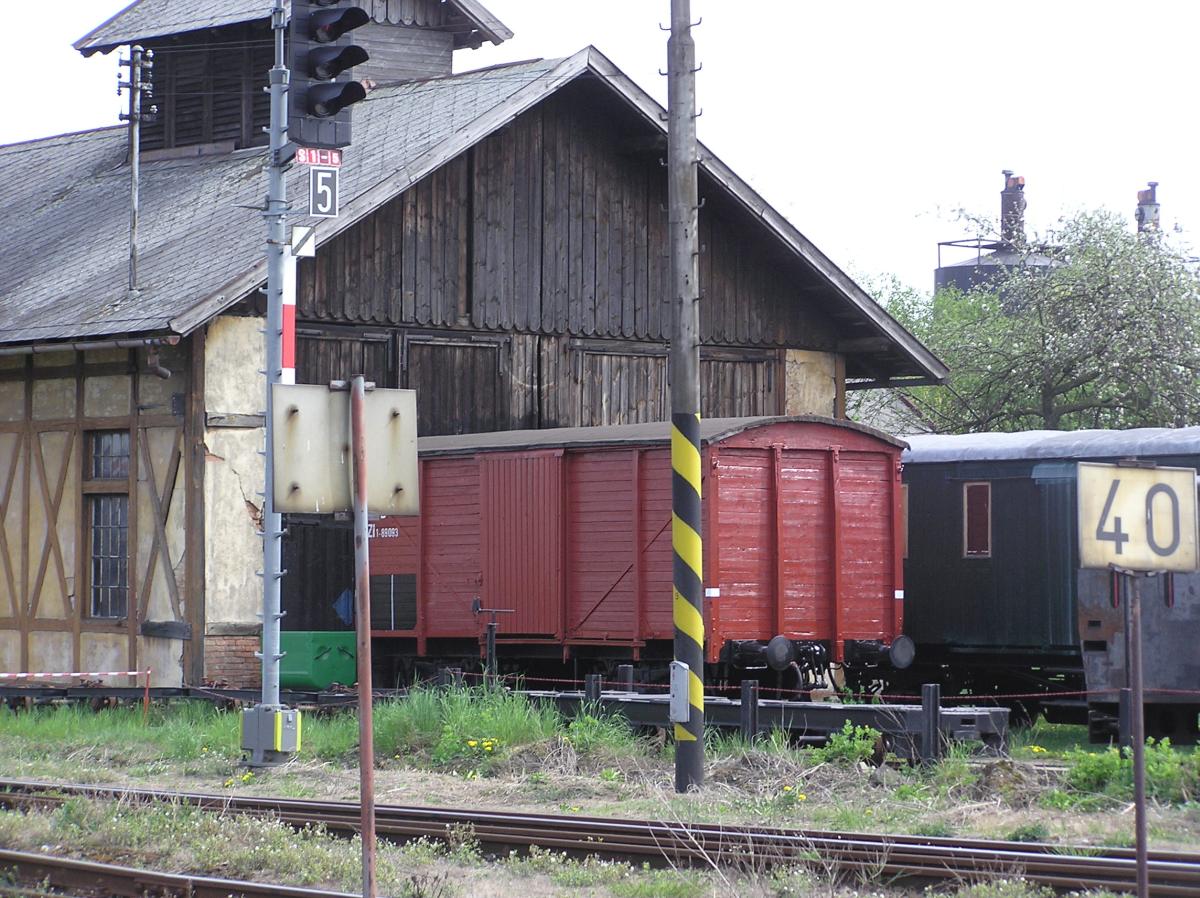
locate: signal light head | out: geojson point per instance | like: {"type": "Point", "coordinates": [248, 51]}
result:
{"type": "Point", "coordinates": [327, 100]}
{"type": "Point", "coordinates": [326, 63]}
{"type": "Point", "coordinates": [326, 26]}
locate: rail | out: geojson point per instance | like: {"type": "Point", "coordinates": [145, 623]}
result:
{"type": "Point", "coordinates": [870, 854]}
{"type": "Point", "coordinates": [91, 878]}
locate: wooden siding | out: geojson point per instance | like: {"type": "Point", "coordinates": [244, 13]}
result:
{"type": "Point", "coordinates": [403, 54]}
{"type": "Point", "coordinates": [552, 226]}
{"type": "Point", "coordinates": [470, 382]}
{"type": "Point", "coordinates": [210, 90]}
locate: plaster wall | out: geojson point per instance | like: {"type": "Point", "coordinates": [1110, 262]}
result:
{"type": "Point", "coordinates": [811, 380]}
{"type": "Point", "coordinates": [233, 473]}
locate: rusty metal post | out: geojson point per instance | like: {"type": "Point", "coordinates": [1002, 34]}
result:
{"type": "Point", "coordinates": [362, 622]}
{"type": "Point", "coordinates": [1133, 616]}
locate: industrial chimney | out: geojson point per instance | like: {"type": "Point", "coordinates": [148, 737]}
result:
{"type": "Point", "coordinates": [1012, 210]}
{"type": "Point", "coordinates": [1147, 210]}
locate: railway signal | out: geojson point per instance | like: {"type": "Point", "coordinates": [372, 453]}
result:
{"type": "Point", "coordinates": [321, 91]}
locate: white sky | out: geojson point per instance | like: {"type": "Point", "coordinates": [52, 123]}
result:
{"type": "Point", "coordinates": [866, 122]}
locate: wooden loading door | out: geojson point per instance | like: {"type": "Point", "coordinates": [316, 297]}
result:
{"type": "Point", "coordinates": [521, 511]}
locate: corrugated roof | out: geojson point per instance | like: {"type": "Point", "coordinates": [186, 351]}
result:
{"type": "Point", "coordinates": [1050, 444]}
{"type": "Point", "coordinates": [64, 237]}
{"type": "Point", "coordinates": [712, 430]}
{"type": "Point", "coordinates": [63, 242]}
{"type": "Point", "coordinates": [144, 19]}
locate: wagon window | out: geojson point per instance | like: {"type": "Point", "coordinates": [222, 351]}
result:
{"type": "Point", "coordinates": [106, 489]}
{"type": "Point", "coordinates": [977, 520]}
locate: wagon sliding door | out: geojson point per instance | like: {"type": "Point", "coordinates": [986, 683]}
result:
{"type": "Point", "coordinates": [521, 510]}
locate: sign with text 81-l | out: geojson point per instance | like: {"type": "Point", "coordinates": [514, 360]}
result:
{"type": "Point", "coordinates": [1138, 518]}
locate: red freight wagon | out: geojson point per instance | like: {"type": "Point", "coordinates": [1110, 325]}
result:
{"type": "Point", "coordinates": [570, 530]}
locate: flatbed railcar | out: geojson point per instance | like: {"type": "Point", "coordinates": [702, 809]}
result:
{"type": "Point", "coordinates": [566, 533]}
{"type": "Point", "coordinates": [997, 602]}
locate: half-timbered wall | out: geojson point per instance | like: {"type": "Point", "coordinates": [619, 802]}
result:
{"type": "Point", "coordinates": [96, 556]}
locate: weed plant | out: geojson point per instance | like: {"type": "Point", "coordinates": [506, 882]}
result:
{"type": "Point", "coordinates": [1171, 777]}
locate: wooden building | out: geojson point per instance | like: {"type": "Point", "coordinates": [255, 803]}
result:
{"type": "Point", "coordinates": [501, 249]}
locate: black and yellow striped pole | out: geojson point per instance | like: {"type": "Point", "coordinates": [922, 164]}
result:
{"type": "Point", "coordinates": [683, 201]}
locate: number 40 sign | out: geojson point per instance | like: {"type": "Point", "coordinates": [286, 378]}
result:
{"type": "Point", "coordinates": [1138, 518]}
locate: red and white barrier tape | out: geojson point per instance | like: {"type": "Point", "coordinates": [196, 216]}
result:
{"type": "Point", "coordinates": [74, 674]}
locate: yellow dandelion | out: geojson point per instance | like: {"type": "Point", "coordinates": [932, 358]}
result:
{"type": "Point", "coordinates": [787, 788]}
{"type": "Point", "coordinates": [472, 742]}
{"type": "Point", "coordinates": [228, 782]}
{"type": "Point", "coordinates": [800, 796]}
{"type": "Point", "coordinates": [1037, 749]}
{"type": "Point", "coordinates": [487, 747]}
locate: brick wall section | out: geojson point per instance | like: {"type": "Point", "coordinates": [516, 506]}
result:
{"type": "Point", "coordinates": [230, 660]}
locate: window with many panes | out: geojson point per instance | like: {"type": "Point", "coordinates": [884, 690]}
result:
{"type": "Point", "coordinates": [106, 489]}
{"type": "Point", "coordinates": [977, 520]}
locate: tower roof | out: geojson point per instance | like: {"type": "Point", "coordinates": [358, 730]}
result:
{"type": "Point", "coordinates": [468, 20]}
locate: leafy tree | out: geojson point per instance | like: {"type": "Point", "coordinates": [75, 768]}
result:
{"type": "Point", "coordinates": [1105, 335]}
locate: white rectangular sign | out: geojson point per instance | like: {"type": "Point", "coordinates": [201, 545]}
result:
{"type": "Point", "coordinates": [1142, 519]}
{"type": "Point", "coordinates": [322, 192]}
{"type": "Point", "coordinates": [312, 450]}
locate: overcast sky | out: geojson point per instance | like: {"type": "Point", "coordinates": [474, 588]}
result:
{"type": "Point", "coordinates": [865, 123]}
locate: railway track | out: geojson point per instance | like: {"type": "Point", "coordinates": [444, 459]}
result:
{"type": "Point", "coordinates": [38, 873]}
{"type": "Point", "coordinates": [871, 855]}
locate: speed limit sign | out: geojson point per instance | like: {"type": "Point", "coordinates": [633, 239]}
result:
{"type": "Point", "coordinates": [1138, 518]}
{"type": "Point", "coordinates": [322, 192]}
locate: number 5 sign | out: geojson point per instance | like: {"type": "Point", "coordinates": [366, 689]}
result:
{"type": "Point", "coordinates": [322, 192]}
{"type": "Point", "coordinates": [1141, 519]}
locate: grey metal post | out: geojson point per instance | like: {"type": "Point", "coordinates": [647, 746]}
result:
{"type": "Point", "coordinates": [686, 530]}
{"type": "Point", "coordinates": [491, 665]}
{"type": "Point", "coordinates": [593, 684]}
{"type": "Point", "coordinates": [749, 710]}
{"type": "Point", "coordinates": [1138, 715]}
{"type": "Point", "coordinates": [276, 216]}
{"type": "Point", "coordinates": [625, 677]}
{"type": "Point", "coordinates": [931, 718]}
{"type": "Point", "coordinates": [362, 618]}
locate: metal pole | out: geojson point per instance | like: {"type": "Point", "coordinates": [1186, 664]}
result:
{"type": "Point", "coordinates": [749, 710]}
{"type": "Point", "coordinates": [135, 138]}
{"type": "Point", "coordinates": [1138, 715]}
{"type": "Point", "coordinates": [683, 203]}
{"type": "Point", "coordinates": [931, 720]}
{"type": "Point", "coordinates": [362, 623]}
{"type": "Point", "coordinates": [276, 216]}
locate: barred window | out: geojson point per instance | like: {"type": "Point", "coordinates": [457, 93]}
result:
{"type": "Point", "coordinates": [107, 494]}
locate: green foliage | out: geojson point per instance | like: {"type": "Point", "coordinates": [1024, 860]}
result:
{"type": "Point", "coordinates": [849, 745]}
{"type": "Point", "coordinates": [1102, 329]}
{"type": "Point", "coordinates": [1029, 832]}
{"type": "Point", "coordinates": [1004, 888]}
{"type": "Point", "coordinates": [594, 729]}
{"type": "Point", "coordinates": [1172, 777]}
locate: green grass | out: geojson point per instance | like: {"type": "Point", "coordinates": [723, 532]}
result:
{"type": "Point", "coordinates": [183, 731]}
{"type": "Point", "coordinates": [458, 728]}
{"type": "Point", "coordinates": [1049, 741]}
